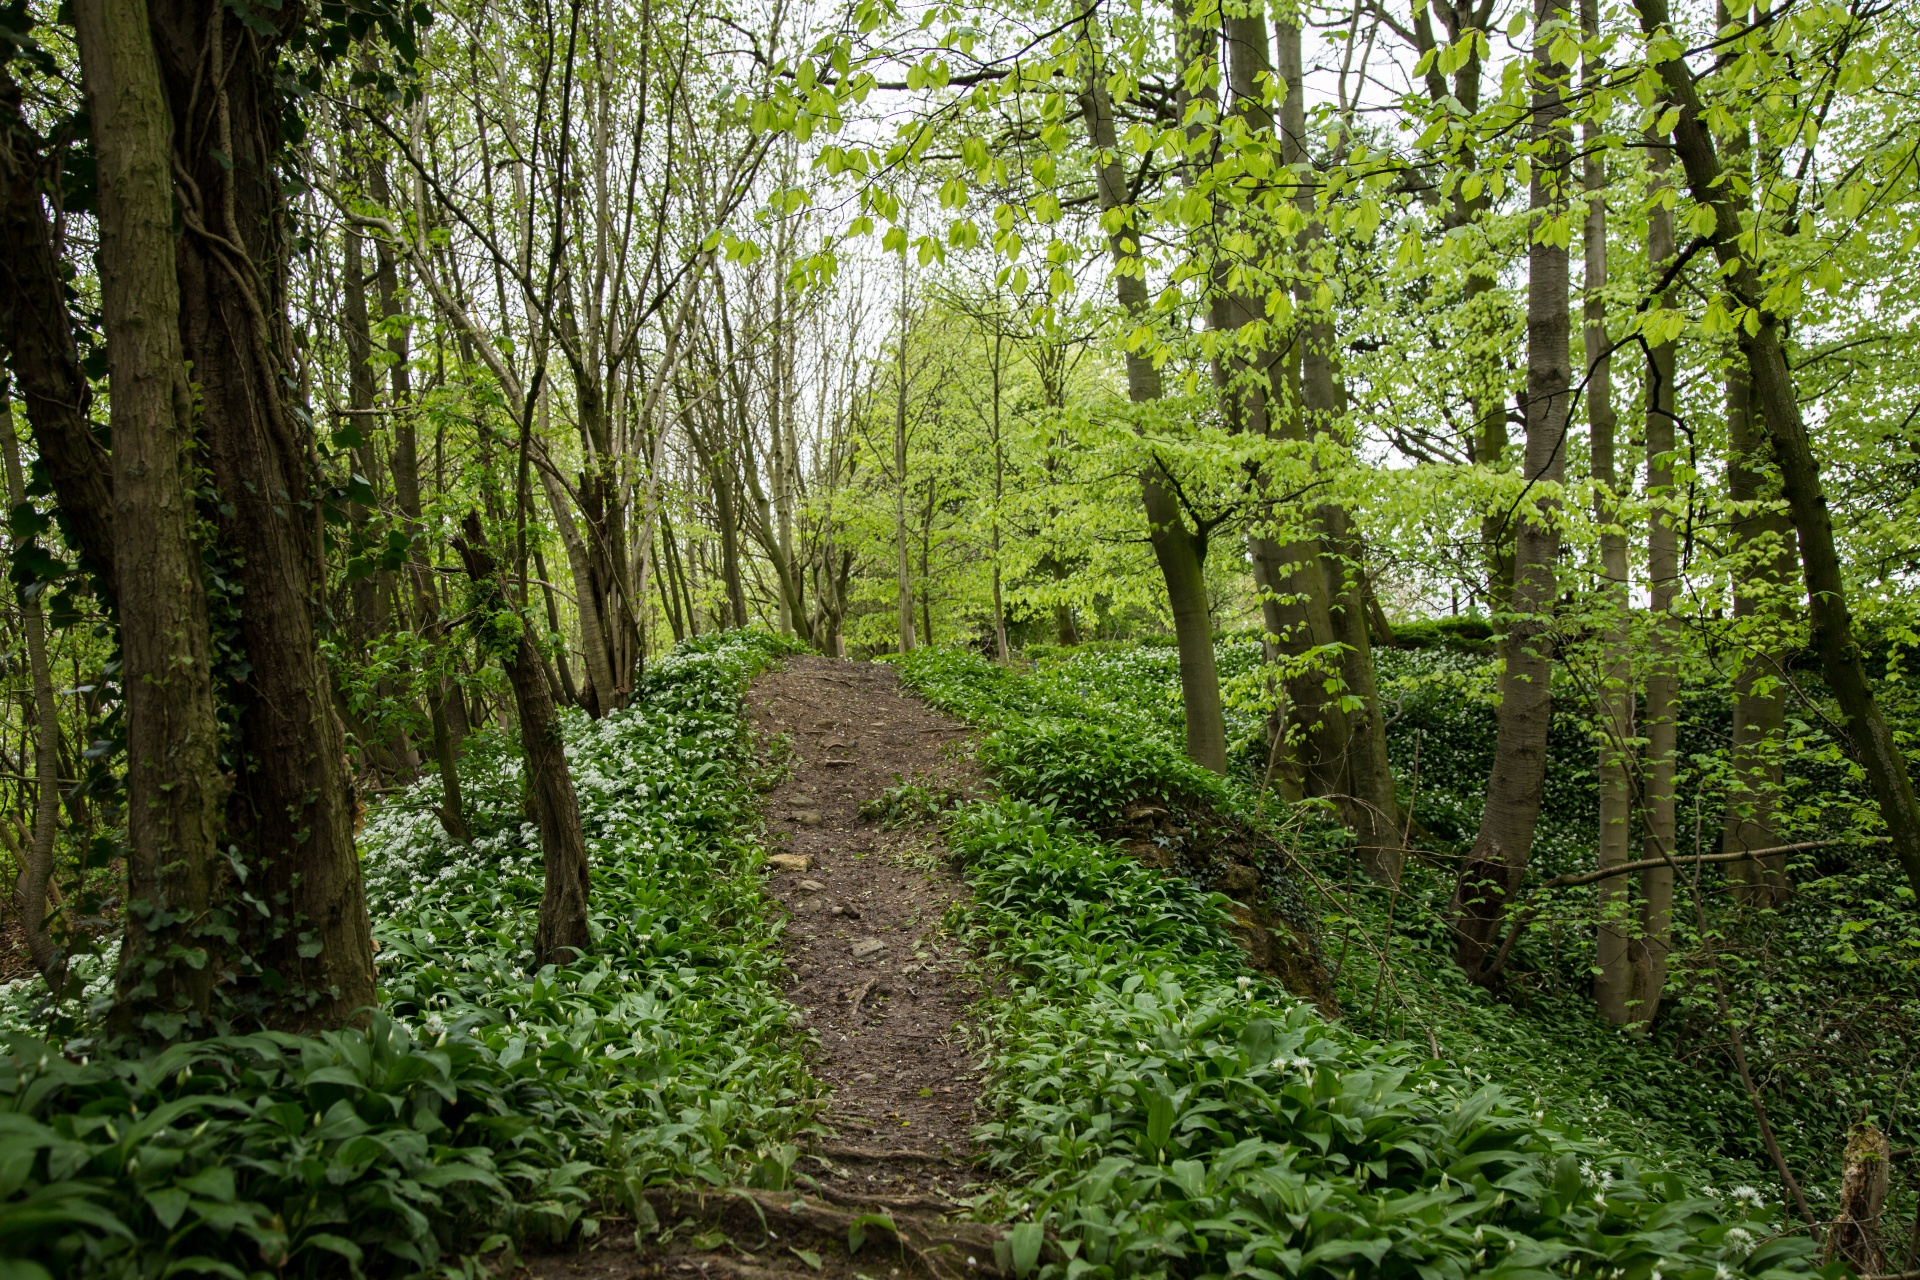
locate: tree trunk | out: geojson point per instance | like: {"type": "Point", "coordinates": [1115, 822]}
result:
{"type": "Point", "coordinates": [729, 521]}
{"type": "Point", "coordinates": [1779, 406]}
{"type": "Point", "coordinates": [599, 694]}
{"type": "Point", "coordinates": [1614, 712]}
{"type": "Point", "coordinates": [1762, 552]}
{"type": "Point", "coordinates": [1300, 399]}
{"type": "Point", "coordinates": [903, 566]}
{"type": "Point", "coordinates": [1654, 940]}
{"type": "Point", "coordinates": [1000, 651]}
{"type": "Point", "coordinates": [1375, 816]}
{"type": "Point", "coordinates": [37, 331]}
{"type": "Point", "coordinates": [291, 813]}
{"type": "Point", "coordinates": [1179, 550]}
{"type": "Point", "coordinates": [1360, 735]}
{"type": "Point", "coordinates": [563, 935]}
{"type": "Point", "coordinates": [36, 864]}
{"type": "Point", "coordinates": [1498, 859]}
{"type": "Point", "coordinates": [174, 783]}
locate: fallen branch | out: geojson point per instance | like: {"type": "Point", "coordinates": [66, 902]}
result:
{"type": "Point", "coordinates": [1577, 878]}
{"type": "Point", "coordinates": [1626, 868]}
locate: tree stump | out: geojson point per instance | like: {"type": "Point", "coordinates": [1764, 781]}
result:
{"type": "Point", "coordinates": [1863, 1193]}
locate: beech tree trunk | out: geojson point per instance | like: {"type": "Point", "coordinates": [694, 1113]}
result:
{"type": "Point", "coordinates": [175, 787]}
{"type": "Point", "coordinates": [1613, 976]}
{"type": "Point", "coordinates": [1779, 406]}
{"type": "Point", "coordinates": [1762, 546]}
{"type": "Point", "coordinates": [563, 935]}
{"type": "Point", "coordinates": [1654, 939]}
{"type": "Point", "coordinates": [291, 811]}
{"type": "Point", "coordinates": [1179, 550]}
{"type": "Point", "coordinates": [1348, 749]}
{"type": "Point", "coordinates": [1498, 859]}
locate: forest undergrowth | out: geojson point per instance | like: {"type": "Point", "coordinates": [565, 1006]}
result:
{"type": "Point", "coordinates": [1154, 1107]}
{"type": "Point", "coordinates": [1167, 1110]}
{"type": "Point", "coordinates": [1823, 985]}
{"type": "Point", "coordinates": [487, 1104]}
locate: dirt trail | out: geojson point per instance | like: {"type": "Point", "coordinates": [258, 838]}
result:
{"type": "Point", "coordinates": [878, 982]}
{"type": "Point", "coordinates": [875, 977]}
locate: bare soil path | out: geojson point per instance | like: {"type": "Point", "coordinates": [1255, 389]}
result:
{"type": "Point", "coordinates": [876, 978]}
{"type": "Point", "coordinates": [875, 974]}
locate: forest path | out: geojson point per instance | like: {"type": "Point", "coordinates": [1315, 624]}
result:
{"type": "Point", "coordinates": [879, 982]}
{"type": "Point", "coordinates": [875, 975]}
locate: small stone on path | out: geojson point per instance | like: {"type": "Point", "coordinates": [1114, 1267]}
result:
{"type": "Point", "coordinates": [790, 862]}
{"type": "Point", "coordinates": [868, 946]}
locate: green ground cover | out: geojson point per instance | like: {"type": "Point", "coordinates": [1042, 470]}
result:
{"type": "Point", "coordinates": [1166, 1112]}
{"type": "Point", "coordinates": [484, 1103]}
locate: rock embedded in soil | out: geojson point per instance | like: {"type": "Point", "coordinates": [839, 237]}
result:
{"type": "Point", "coordinates": [790, 862]}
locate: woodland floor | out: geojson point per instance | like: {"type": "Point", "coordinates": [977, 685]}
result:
{"type": "Point", "coordinates": [876, 978]}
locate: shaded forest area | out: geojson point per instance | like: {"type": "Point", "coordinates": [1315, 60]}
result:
{"type": "Point", "coordinates": [1415, 506]}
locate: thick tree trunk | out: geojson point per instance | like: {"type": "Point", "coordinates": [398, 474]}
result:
{"type": "Point", "coordinates": [291, 813]}
{"type": "Point", "coordinates": [174, 783]}
{"type": "Point", "coordinates": [1302, 621]}
{"type": "Point", "coordinates": [1498, 859]}
{"type": "Point", "coordinates": [1179, 550]}
{"type": "Point", "coordinates": [1614, 712]}
{"type": "Point", "coordinates": [1779, 406]}
{"type": "Point", "coordinates": [563, 935]}
{"type": "Point", "coordinates": [36, 863]}
{"type": "Point", "coordinates": [37, 330]}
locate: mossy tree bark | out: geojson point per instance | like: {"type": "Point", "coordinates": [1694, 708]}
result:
{"type": "Point", "coordinates": [175, 787]}
{"type": "Point", "coordinates": [309, 962]}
